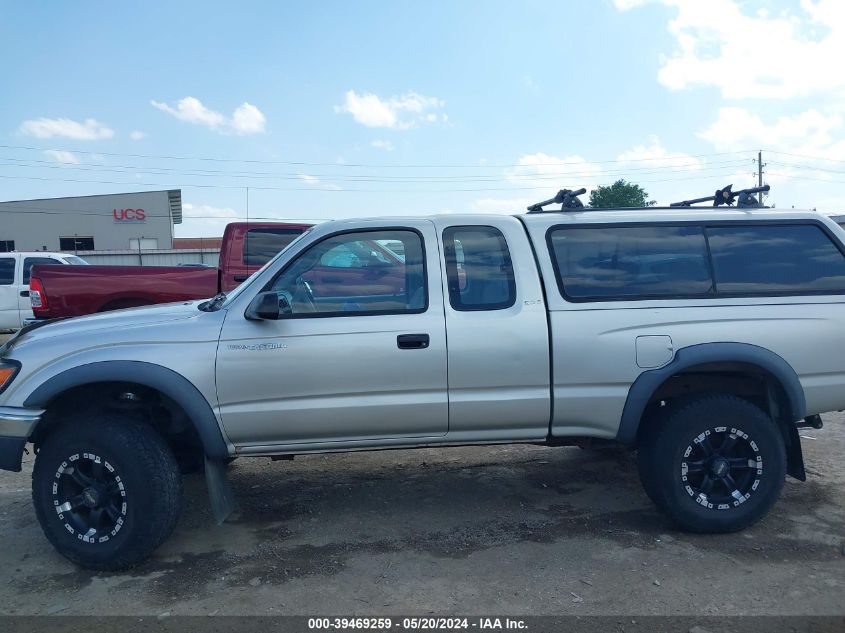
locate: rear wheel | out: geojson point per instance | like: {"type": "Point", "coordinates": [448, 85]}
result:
{"type": "Point", "coordinates": [107, 491]}
{"type": "Point", "coordinates": [716, 464]}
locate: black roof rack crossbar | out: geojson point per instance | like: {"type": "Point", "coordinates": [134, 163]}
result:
{"type": "Point", "coordinates": [744, 198]}
{"type": "Point", "coordinates": [568, 198]}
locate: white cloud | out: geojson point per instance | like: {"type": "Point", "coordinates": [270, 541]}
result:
{"type": "Point", "coordinates": [316, 182]}
{"type": "Point", "coordinates": [811, 132]}
{"type": "Point", "coordinates": [387, 146]}
{"type": "Point", "coordinates": [88, 130]}
{"type": "Point", "coordinates": [191, 110]}
{"type": "Point", "coordinates": [206, 212]}
{"type": "Point", "coordinates": [246, 119]}
{"type": "Point", "coordinates": [204, 220]}
{"type": "Point", "coordinates": [136, 135]}
{"type": "Point", "coordinates": [549, 174]}
{"type": "Point", "coordinates": [654, 155]}
{"type": "Point", "coordinates": [396, 113]}
{"type": "Point", "coordinates": [543, 170]}
{"type": "Point", "coordinates": [62, 156]}
{"type": "Point", "coordinates": [766, 55]}
{"type": "Point", "coordinates": [502, 205]}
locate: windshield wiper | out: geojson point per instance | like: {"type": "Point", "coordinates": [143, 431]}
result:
{"type": "Point", "coordinates": [213, 304]}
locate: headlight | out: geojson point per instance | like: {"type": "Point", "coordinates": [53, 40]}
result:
{"type": "Point", "coordinates": [8, 370]}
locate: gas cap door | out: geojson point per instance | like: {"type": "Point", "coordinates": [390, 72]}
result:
{"type": "Point", "coordinates": [654, 351]}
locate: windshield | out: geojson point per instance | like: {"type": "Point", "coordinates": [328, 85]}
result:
{"type": "Point", "coordinates": [75, 261]}
{"type": "Point", "coordinates": [237, 291]}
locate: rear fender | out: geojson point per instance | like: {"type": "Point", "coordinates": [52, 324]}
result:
{"type": "Point", "coordinates": [648, 382]}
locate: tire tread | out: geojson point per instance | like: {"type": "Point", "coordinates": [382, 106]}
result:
{"type": "Point", "coordinates": [657, 441]}
{"type": "Point", "coordinates": [149, 452]}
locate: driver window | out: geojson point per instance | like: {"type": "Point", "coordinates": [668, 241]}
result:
{"type": "Point", "coordinates": [356, 274]}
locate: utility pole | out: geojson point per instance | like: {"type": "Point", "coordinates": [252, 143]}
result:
{"type": "Point", "coordinates": [760, 165]}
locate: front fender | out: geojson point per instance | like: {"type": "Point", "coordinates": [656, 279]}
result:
{"type": "Point", "coordinates": [162, 379]}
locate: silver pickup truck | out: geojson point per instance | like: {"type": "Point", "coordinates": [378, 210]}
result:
{"type": "Point", "coordinates": [701, 337]}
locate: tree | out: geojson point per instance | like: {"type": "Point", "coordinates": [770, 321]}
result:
{"type": "Point", "coordinates": [620, 194]}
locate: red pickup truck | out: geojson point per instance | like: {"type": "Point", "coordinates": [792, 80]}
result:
{"type": "Point", "coordinates": [246, 248]}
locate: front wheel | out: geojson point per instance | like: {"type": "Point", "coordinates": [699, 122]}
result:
{"type": "Point", "coordinates": [717, 464]}
{"type": "Point", "coordinates": [107, 491]}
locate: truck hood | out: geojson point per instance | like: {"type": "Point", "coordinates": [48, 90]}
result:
{"type": "Point", "coordinates": [104, 323]}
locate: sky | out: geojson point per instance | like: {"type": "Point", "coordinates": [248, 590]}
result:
{"type": "Point", "coordinates": [332, 109]}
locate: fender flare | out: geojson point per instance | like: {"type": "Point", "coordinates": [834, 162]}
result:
{"type": "Point", "coordinates": [647, 383]}
{"type": "Point", "coordinates": [162, 379]}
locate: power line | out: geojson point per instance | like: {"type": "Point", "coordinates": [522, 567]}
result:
{"type": "Point", "coordinates": [323, 188]}
{"type": "Point", "coordinates": [355, 165]}
{"type": "Point", "coordinates": [127, 169]}
{"type": "Point", "coordinates": [802, 177]}
{"type": "Point", "coordinates": [807, 167]}
{"type": "Point", "coordinates": [833, 160]}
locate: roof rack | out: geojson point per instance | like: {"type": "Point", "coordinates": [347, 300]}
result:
{"type": "Point", "coordinates": [744, 198]}
{"type": "Point", "coordinates": [568, 198]}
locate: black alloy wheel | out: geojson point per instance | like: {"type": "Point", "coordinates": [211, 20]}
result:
{"type": "Point", "coordinates": [722, 467]}
{"type": "Point", "coordinates": [90, 497]}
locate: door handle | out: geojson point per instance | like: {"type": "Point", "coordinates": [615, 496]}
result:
{"type": "Point", "coordinates": [412, 341]}
{"type": "Point", "coordinates": [240, 278]}
{"type": "Point", "coordinates": [24, 293]}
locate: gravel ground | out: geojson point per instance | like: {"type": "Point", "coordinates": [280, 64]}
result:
{"type": "Point", "coordinates": [512, 529]}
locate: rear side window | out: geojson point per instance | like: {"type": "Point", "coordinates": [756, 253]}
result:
{"type": "Point", "coordinates": [479, 268]}
{"type": "Point", "coordinates": [7, 271]}
{"type": "Point", "coordinates": [600, 263]}
{"type": "Point", "coordinates": [261, 245]}
{"type": "Point", "coordinates": [771, 259]}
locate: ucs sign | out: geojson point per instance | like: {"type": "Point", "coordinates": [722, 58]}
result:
{"type": "Point", "coordinates": [129, 215]}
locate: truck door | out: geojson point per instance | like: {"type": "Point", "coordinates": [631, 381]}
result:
{"type": "Point", "coordinates": [496, 322]}
{"type": "Point", "coordinates": [358, 362]}
{"type": "Point", "coordinates": [9, 275]}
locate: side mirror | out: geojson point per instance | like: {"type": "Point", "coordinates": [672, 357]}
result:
{"type": "Point", "coordinates": [268, 306]}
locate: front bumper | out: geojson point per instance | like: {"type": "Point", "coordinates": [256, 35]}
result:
{"type": "Point", "coordinates": [16, 425]}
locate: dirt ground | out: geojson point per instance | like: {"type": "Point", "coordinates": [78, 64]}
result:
{"type": "Point", "coordinates": [512, 529]}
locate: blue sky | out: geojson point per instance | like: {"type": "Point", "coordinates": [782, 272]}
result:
{"type": "Point", "coordinates": [371, 108]}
